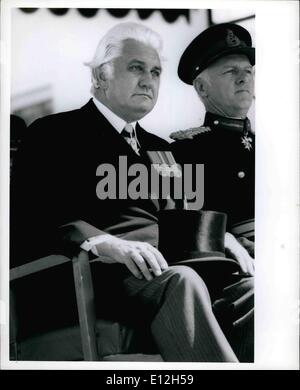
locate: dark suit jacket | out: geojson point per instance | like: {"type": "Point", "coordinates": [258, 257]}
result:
{"type": "Point", "coordinates": [55, 181]}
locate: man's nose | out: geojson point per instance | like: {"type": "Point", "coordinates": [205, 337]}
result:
{"type": "Point", "coordinates": [243, 77]}
{"type": "Point", "coordinates": [146, 80]}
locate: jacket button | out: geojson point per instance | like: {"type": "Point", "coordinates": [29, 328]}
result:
{"type": "Point", "coordinates": [241, 174]}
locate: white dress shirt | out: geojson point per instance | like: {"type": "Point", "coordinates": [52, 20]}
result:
{"type": "Point", "coordinates": [116, 122]}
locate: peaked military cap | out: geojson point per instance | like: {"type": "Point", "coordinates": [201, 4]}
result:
{"type": "Point", "coordinates": [213, 43]}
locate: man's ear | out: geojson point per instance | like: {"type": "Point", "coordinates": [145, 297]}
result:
{"type": "Point", "coordinates": [201, 86]}
{"type": "Point", "coordinates": [99, 78]}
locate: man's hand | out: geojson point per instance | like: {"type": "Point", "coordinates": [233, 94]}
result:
{"type": "Point", "coordinates": [239, 253]}
{"type": "Point", "coordinates": [247, 244]}
{"type": "Point", "coordinates": [139, 257]}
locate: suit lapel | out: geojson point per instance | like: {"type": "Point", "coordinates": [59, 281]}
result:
{"type": "Point", "coordinates": [101, 129]}
{"type": "Point", "coordinates": [108, 144]}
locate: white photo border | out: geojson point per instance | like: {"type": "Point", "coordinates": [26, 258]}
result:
{"type": "Point", "coordinates": [277, 184]}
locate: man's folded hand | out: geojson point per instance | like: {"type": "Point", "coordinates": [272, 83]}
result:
{"type": "Point", "coordinates": [141, 258]}
{"type": "Point", "coordinates": [235, 250]}
{"type": "Point", "coordinates": [247, 244]}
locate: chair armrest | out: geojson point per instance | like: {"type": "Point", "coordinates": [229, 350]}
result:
{"type": "Point", "coordinates": [37, 266]}
{"type": "Point", "coordinates": [85, 304]}
{"type": "Point", "coordinates": [18, 273]}
{"type": "Point", "coordinates": [84, 296]}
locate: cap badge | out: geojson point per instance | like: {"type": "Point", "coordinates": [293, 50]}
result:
{"type": "Point", "coordinates": [231, 39]}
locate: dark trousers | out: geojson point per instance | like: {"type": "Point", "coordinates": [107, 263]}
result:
{"type": "Point", "coordinates": [174, 312]}
{"type": "Point", "coordinates": [185, 324]}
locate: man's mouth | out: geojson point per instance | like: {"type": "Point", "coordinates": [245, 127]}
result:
{"type": "Point", "coordinates": [242, 90]}
{"type": "Point", "coordinates": [144, 95]}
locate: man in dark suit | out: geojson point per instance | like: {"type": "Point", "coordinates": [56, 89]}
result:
{"type": "Point", "coordinates": [57, 183]}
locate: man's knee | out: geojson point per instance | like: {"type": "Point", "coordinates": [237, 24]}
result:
{"type": "Point", "coordinates": [247, 284]}
{"type": "Point", "coordinates": [240, 288]}
{"type": "Point", "coordinates": [186, 276]}
{"type": "Point", "coordinates": [183, 272]}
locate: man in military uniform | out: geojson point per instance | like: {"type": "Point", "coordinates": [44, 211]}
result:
{"type": "Point", "coordinates": [219, 64]}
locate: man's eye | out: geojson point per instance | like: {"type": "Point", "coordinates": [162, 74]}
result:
{"type": "Point", "coordinates": [155, 73]}
{"type": "Point", "coordinates": [136, 68]}
{"type": "Point", "coordinates": [229, 71]}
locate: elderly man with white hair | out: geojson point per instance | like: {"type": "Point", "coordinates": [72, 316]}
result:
{"type": "Point", "coordinates": [56, 181]}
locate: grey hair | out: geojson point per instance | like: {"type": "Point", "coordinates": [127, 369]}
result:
{"type": "Point", "coordinates": [111, 45]}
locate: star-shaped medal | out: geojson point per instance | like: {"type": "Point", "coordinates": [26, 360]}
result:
{"type": "Point", "coordinates": [246, 141]}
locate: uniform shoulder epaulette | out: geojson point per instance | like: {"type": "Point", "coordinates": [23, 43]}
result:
{"type": "Point", "coordinates": [189, 133]}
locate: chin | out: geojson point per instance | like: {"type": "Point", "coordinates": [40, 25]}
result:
{"type": "Point", "coordinates": [243, 106]}
{"type": "Point", "coordinates": [144, 109]}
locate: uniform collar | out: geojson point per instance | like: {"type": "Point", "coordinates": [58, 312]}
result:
{"type": "Point", "coordinates": [116, 122]}
{"type": "Point", "coordinates": [238, 125]}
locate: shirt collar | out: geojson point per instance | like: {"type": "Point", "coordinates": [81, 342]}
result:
{"type": "Point", "coordinates": [215, 121]}
{"type": "Point", "coordinates": [116, 122]}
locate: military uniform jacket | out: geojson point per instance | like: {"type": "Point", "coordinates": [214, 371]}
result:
{"type": "Point", "coordinates": [229, 166]}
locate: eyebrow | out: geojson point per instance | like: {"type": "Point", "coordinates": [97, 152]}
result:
{"type": "Point", "coordinates": [235, 65]}
{"type": "Point", "coordinates": [156, 67]}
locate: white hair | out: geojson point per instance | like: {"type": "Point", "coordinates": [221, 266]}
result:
{"type": "Point", "coordinates": [111, 46]}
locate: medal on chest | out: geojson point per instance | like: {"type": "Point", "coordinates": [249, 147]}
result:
{"type": "Point", "coordinates": [246, 141]}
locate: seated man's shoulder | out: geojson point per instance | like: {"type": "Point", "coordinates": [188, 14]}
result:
{"type": "Point", "coordinates": [58, 126]}
{"type": "Point", "coordinates": [181, 148]}
{"type": "Point", "coordinates": [154, 142]}
{"type": "Point", "coordinates": [51, 135]}
{"type": "Point", "coordinates": [190, 141]}
{"type": "Point", "coordinates": [56, 119]}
